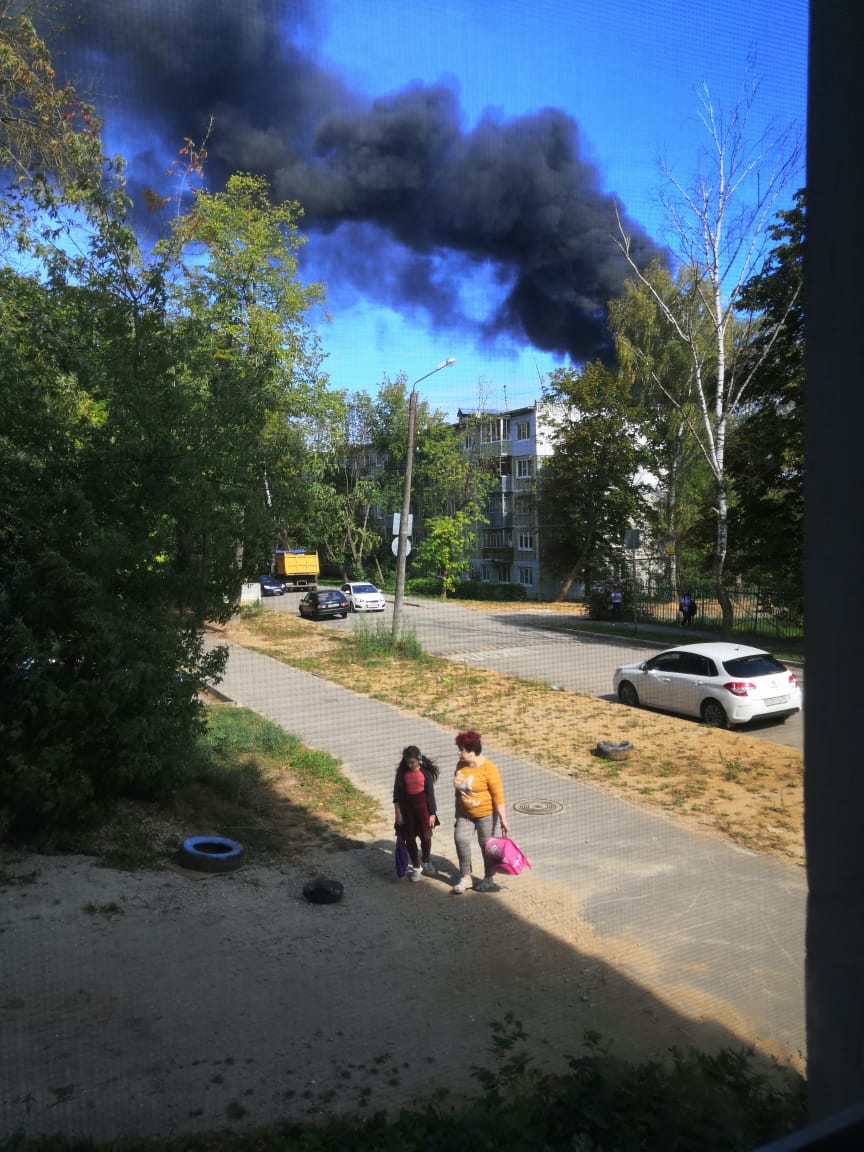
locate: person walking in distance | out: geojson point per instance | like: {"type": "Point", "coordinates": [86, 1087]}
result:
{"type": "Point", "coordinates": [416, 808]}
{"type": "Point", "coordinates": [616, 601]}
{"type": "Point", "coordinates": [687, 608]}
{"type": "Point", "coordinates": [479, 800]}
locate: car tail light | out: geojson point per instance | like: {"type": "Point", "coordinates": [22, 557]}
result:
{"type": "Point", "coordinates": [740, 687]}
{"type": "Point", "coordinates": [793, 682]}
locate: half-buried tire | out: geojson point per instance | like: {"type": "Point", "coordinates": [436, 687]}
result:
{"type": "Point", "coordinates": [211, 854]}
{"type": "Point", "coordinates": [610, 751]}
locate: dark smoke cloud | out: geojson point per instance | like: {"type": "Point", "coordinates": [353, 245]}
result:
{"type": "Point", "coordinates": [408, 198]}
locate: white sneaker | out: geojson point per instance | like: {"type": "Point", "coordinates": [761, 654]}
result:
{"type": "Point", "coordinates": [430, 869]}
{"type": "Point", "coordinates": [414, 873]}
{"type": "Point", "coordinates": [461, 887]}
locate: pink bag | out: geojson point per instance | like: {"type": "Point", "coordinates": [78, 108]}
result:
{"type": "Point", "coordinates": [503, 853]}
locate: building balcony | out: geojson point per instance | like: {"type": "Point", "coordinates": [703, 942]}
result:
{"type": "Point", "coordinates": [501, 553]}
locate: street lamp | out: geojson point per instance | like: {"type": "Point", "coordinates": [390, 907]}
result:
{"type": "Point", "coordinates": [402, 546]}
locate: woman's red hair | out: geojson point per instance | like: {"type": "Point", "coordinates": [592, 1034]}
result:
{"type": "Point", "coordinates": [470, 741]}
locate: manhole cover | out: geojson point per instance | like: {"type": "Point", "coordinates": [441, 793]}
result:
{"type": "Point", "coordinates": [538, 807]}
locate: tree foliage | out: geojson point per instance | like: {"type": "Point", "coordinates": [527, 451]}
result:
{"type": "Point", "coordinates": [445, 550]}
{"type": "Point", "coordinates": [719, 225]}
{"type": "Point", "coordinates": [148, 406]}
{"type": "Point", "coordinates": [660, 369]}
{"type": "Point", "coordinates": [766, 448]}
{"type": "Point", "coordinates": [591, 489]}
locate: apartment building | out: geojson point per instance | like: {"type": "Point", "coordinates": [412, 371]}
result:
{"type": "Point", "coordinates": [508, 546]}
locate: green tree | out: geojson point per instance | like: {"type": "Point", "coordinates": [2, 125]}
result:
{"type": "Point", "coordinates": [766, 447]}
{"type": "Point", "coordinates": [246, 361]}
{"type": "Point", "coordinates": [661, 373]}
{"type": "Point", "coordinates": [49, 139]}
{"type": "Point", "coordinates": [719, 222]}
{"type": "Point", "coordinates": [446, 547]}
{"type": "Point", "coordinates": [145, 407]}
{"type": "Point", "coordinates": [590, 489]}
{"type": "Point", "coordinates": [347, 486]}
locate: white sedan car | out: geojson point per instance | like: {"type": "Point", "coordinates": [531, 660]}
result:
{"type": "Point", "coordinates": [363, 597]}
{"type": "Point", "coordinates": [725, 684]}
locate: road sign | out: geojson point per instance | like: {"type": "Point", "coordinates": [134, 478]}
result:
{"type": "Point", "coordinates": [397, 520]}
{"type": "Point", "coordinates": [394, 547]}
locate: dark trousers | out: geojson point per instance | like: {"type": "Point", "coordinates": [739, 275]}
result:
{"type": "Point", "coordinates": [416, 827]}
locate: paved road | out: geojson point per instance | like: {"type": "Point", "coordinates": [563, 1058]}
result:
{"type": "Point", "coordinates": [538, 645]}
{"type": "Point", "coordinates": [713, 929]}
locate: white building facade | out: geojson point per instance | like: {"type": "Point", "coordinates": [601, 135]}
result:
{"type": "Point", "coordinates": [515, 443]}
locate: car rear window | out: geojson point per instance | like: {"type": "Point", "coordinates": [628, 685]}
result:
{"type": "Point", "coordinates": [760, 664]}
{"type": "Point", "coordinates": [325, 596]}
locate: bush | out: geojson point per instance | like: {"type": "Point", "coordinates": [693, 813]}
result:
{"type": "Point", "coordinates": [478, 590]}
{"type": "Point", "coordinates": [424, 586]}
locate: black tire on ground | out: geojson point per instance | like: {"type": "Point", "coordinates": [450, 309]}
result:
{"type": "Point", "coordinates": [714, 714]}
{"type": "Point", "coordinates": [352, 608]}
{"type": "Point", "coordinates": [211, 854]}
{"type": "Point", "coordinates": [612, 751]}
{"type": "Point", "coordinates": [627, 694]}
{"type": "Point", "coordinates": [322, 891]}
{"type": "Point", "coordinates": [344, 615]}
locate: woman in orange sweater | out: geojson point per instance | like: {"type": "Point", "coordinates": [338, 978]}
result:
{"type": "Point", "coordinates": [479, 799]}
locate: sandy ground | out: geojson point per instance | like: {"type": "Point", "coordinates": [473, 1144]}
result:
{"type": "Point", "coordinates": [151, 1003]}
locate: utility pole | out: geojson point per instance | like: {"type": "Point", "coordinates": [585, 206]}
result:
{"type": "Point", "coordinates": [402, 546]}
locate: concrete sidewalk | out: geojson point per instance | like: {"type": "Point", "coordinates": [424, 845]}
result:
{"type": "Point", "coordinates": [712, 929]}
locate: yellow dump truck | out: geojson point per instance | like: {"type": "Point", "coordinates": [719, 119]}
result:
{"type": "Point", "coordinates": [296, 569]}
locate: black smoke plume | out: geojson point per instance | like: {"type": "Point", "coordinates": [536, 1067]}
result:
{"type": "Point", "coordinates": [409, 200]}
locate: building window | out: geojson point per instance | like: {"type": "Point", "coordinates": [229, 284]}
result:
{"type": "Point", "coordinates": [506, 465]}
{"type": "Point", "coordinates": [526, 576]}
{"type": "Point", "coordinates": [497, 538]}
{"type": "Point", "coordinates": [484, 574]}
{"type": "Point", "coordinates": [523, 430]}
{"type": "Point", "coordinates": [523, 466]}
{"type": "Point", "coordinates": [505, 427]}
{"type": "Point", "coordinates": [526, 541]}
{"type": "Point", "coordinates": [490, 432]}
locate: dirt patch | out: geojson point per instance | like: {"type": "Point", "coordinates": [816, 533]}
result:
{"type": "Point", "coordinates": [150, 1004]}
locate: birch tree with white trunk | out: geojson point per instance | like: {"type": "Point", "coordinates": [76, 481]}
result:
{"type": "Point", "coordinates": [719, 230]}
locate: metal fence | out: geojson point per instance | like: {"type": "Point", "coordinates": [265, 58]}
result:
{"type": "Point", "coordinates": [759, 613]}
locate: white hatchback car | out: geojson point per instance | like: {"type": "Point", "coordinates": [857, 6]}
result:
{"type": "Point", "coordinates": [725, 684]}
{"type": "Point", "coordinates": [363, 597]}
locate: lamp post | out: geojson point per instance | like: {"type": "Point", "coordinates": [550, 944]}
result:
{"type": "Point", "coordinates": [402, 546]}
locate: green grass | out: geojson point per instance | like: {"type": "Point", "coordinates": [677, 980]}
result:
{"type": "Point", "coordinates": [369, 643]}
{"type": "Point", "coordinates": [250, 781]}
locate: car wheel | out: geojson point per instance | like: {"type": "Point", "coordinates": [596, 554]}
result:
{"type": "Point", "coordinates": [714, 714]}
{"type": "Point", "coordinates": [352, 608]}
{"type": "Point", "coordinates": [211, 854]}
{"type": "Point", "coordinates": [344, 615]}
{"type": "Point", "coordinates": [627, 694]}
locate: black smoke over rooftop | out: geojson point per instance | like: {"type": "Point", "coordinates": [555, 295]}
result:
{"type": "Point", "coordinates": [409, 199]}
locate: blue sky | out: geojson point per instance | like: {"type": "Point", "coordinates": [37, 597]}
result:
{"type": "Point", "coordinates": [626, 72]}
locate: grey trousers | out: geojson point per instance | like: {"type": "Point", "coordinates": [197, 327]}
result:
{"type": "Point", "coordinates": [466, 826]}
